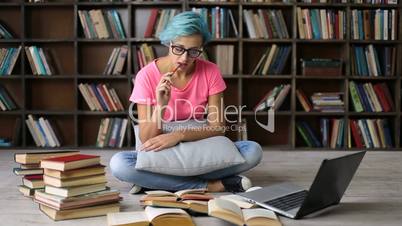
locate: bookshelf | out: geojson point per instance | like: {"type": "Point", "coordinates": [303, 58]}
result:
{"type": "Point", "coordinates": [83, 60]}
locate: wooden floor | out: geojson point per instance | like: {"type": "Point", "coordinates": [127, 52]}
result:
{"type": "Point", "coordinates": [373, 198]}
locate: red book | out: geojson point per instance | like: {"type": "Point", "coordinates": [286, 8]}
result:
{"type": "Point", "coordinates": [381, 96]}
{"type": "Point", "coordinates": [356, 134]}
{"type": "Point", "coordinates": [34, 177]}
{"type": "Point", "coordinates": [70, 162]}
{"type": "Point", "coordinates": [387, 95]}
{"type": "Point", "coordinates": [151, 23]}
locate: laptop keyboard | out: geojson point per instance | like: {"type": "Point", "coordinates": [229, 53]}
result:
{"type": "Point", "coordinates": [288, 202]}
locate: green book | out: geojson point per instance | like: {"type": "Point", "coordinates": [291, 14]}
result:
{"type": "Point", "coordinates": [357, 104]}
{"type": "Point", "coordinates": [303, 133]}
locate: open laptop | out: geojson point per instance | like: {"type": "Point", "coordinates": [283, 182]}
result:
{"type": "Point", "coordinates": [327, 189]}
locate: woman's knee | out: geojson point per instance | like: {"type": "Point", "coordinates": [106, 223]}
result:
{"type": "Point", "coordinates": [251, 151]}
{"type": "Point", "coordinates": [120, 163]}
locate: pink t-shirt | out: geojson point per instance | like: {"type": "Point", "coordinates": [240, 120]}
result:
{"type": "Point", "coordinates": [186, 103]}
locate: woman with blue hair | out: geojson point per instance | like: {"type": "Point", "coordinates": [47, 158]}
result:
{"type": "Point", "coordinates": [181, 75]}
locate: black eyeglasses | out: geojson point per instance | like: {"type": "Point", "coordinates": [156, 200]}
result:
{"type": "Point", "coordinates": [191, 52]}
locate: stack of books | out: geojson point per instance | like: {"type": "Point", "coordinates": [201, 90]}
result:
{"type": "Point", "coordinates": [273, 61]}
{"type": "Point", "coordinates": [273, 99]}
{"type": "Point", "coordinates": [145, 54]}
{"type": "Point", "coordinates": [328, 102]}
{"type": "Point", "coordinates": [75, 187]}
{"type": "Point", "coordinates": [367, 97]}
{"type": "Point", "coordinates": [30, 169]}
{"type": "Point", "coordinates": [268, 24]}
{"type": "Point", "coordinates": [42, 132]}
{"type": "Point", "coordinates": [321, 66]}
{"type": "Point", "coordinates": [8, 58]}
{"type": "Point", "coordinates": [42, 61]}
{"type": "Point", "coordinates": [116, 61]}
{"type": "Point", "coordinates": [4, 33]}
{"type": "Point", "coordinates": [193, 200]}
{"type": "Point", "coordinates": [111, 132]}
{"type": "Point", "coordinates": [100, 97]}
{"type": "Point", "coordinates": [6, 102]}
{"type": "Point", "coordinates": [102, 24]}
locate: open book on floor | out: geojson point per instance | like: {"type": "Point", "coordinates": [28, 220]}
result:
{"type": "Point", "coordinates": [229, 211]}
{"type": "Point", "coordinates": [192, 199]}
{"type": "Point", "coordinates": [151, 216]}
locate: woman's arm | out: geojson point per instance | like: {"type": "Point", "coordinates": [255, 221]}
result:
{"type": "Point", "coordinates": [150, 121]}
{"type": "Point", "coordinates": [215, 127]}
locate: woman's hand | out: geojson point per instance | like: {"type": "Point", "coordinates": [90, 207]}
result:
{"type": "Point", "coordinates": [163, 89]}
{"type": "Point", "coordinates": [162, 141]}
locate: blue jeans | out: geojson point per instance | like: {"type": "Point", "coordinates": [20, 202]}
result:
{"type": "Point", "coordinates": [123, 163]}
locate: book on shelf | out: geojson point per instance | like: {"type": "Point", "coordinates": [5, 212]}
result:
{"type": "Point", "coordinates": [370, 133]}
{"type": "Point", "coordinates": [377, 24]}
{"type": "Point", "coordinates": [43, 132]}
{"type": "Point", "coordinates": [151, 216]}
{"type": "Point", "coordinates": [117, 60]}
{"type": "Point", "coordinates": [309, 136]}
{"type": "Point", "coordinates": [111, 132]}
{"type": "Point", "coordinates": [366, 97]}
{"type": "Point", "coordinates": [153, 21]}
{"type": "Point", "coordinates": [145, 55]}
{"type": "Point", "coordinates": [304, 101]}
{"type": "Point", "coordinates": [7, 103]}
{"type": "Point", "coordinates": [274, 98]}
{"type": "Point", "coordinates": [8, 59]}
{"type": "Point", "coordinates": [42, 61]}
{"type": "Point", "coordinates": [390, 2]}
{"type": "Point", "coordinates": [321, 23]}
{"type": "Point", "coordinates": [5, 32]}
{"type": "Point", "coordinates": [328, 102]}
{"type": "Point", "coordinates": [100, 97]}
{"type": "Point", "coordinates": [102, 24]}
{"type": "Point", "coordinates": [373, 60]}
{"type": "Point", "coordinates": [221, 21]}
{"type": "Point", "coordinates": [321, 66]}
{"type": "Point", "coordinates": [267, 24]}
{"type": "Point", "coordinates": [273, 60]}
{"type": "Point", "coordinates": [224, 57]}
{"type": "Point", "coordinates": [229, 211]}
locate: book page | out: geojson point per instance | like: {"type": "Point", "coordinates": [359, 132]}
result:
{"type": "Point", "coordinates": [153, 212]}
{"type": "Point", "coordinates": [191, 191]}
{"type": "Point", "coordinates": [258, 212]}
{"type": "Point", "coordinates": [124, 218]}
{"type": "Point", "coordinates": [160, 193]}
{"type": "Point", "coordinates": [238, 200]}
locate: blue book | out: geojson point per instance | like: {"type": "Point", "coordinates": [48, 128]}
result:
{"type": "Point", "coordinates": [363, 60]}
{"type": "Point", "coordinates": [341, 130]}
{"type": "Point", "coordinates": [276, 60]}
{"type": "Point", "coordinates": [367, 132]}
{"type": "Point", "coordinates": [377, 62]}
{"type": "Point", "coordinates": [363, 98]}
{"type": "Point", "coordinates": [213, 20]}
{"type": "Point", "coordinates": [324, 126]}
{"type": "Point", "coordinates": [315, 24]}
{"type": "Point", "coordinates": [42, 131]}
{"type": "Point", "coordinates": [118, 23]}
{"type": "Point", "coordinates": [4, 64]}
{"type": "Point", "coordinates": [387, 133]}
{"type": "Point", "coordinates": [311, 134]}
{"type": "Point", "coordinates": [99, 97]}
{"type": "Point", "coordinates": [283, 60]}
{"type": "Point", "coordinates": [39, 59]}
{"type": "Point", "coordinates": [360, 24]}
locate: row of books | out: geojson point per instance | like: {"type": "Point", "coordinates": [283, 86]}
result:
{"type": "Point", "coordinates": [273, 61]}
{"type": "Point", "coordinates": [224, 58]}
{"type": "Point", "coordinates": [42, 132]}
{"type": "Point", "coordinates": [157, 21]}
{"type": "Point", "coordinates": [273, 99]}
{"type": "Point", "coordinates": [117, 59]}
{"type": "Point", "coordinates": [100, 97]}
{"type": "Point", "coordinates": [4, 33]}
{"type": "Point", "coordinates": [321, 66]}
{"type": "Point", "coordinates": [8, 58]}
{"type": "Point", "coordinates": [321, 23]}
{"type": "Point", "coordinates": [111, 132]}
{"type": "Point", "coordinates": [330, 137]}
{"type": "Point", "coordinates": [42, 61]}
{"type": "Point", "coordinates": [145, 55]}
{"type": "Point", "coordinates": [373, 61]}
{"type": "Point", "coordinates": [102, 24]}
{"type": "Point", "coordinates": [378, 24]}
{"type": "Point", "coordinates": [221, 22]}
{"type": "Point", "coordinates": [370, 133]}
{"type": "Point", "coordinates": [353, 1]}
{"type": "Point", "coordinates": [328, 102]}
{"type": "Point", "coordinates": [268, 24]}
{"type": "Point", "coordinates": [6, 102]}
{"type": "Point", "coordinates": [367, 97]}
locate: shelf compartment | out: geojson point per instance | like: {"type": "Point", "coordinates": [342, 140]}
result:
{"type": "Point", "coordinates": [10, 128]}
{"type": "Point", "coordinates": [14, 91]}
{"type": "Point", "coordinates": [10, 17]}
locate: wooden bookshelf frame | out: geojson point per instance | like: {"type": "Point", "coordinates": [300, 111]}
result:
{"type": "Point", "coordinates": [29, 30]}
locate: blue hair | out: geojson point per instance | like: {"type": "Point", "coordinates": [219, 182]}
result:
{"type": "Point", "coordinates": [184, 24]}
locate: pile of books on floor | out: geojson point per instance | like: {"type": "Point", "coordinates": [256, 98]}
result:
{"type": "Point", "coordinates": [328, 102]}
{"type": "Point", "coordinates": [75, 187]}
{"type": "Point", "coordinates": [165, 208]}
{"type": "Point", "coordinates": [30, 169]}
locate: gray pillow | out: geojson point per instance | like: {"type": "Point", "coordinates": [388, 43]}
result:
{"type": "Point", "coordinates": [190, 158]}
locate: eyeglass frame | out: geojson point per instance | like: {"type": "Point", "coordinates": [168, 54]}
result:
{"type": "Point", "coordinates": [200, 51]}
